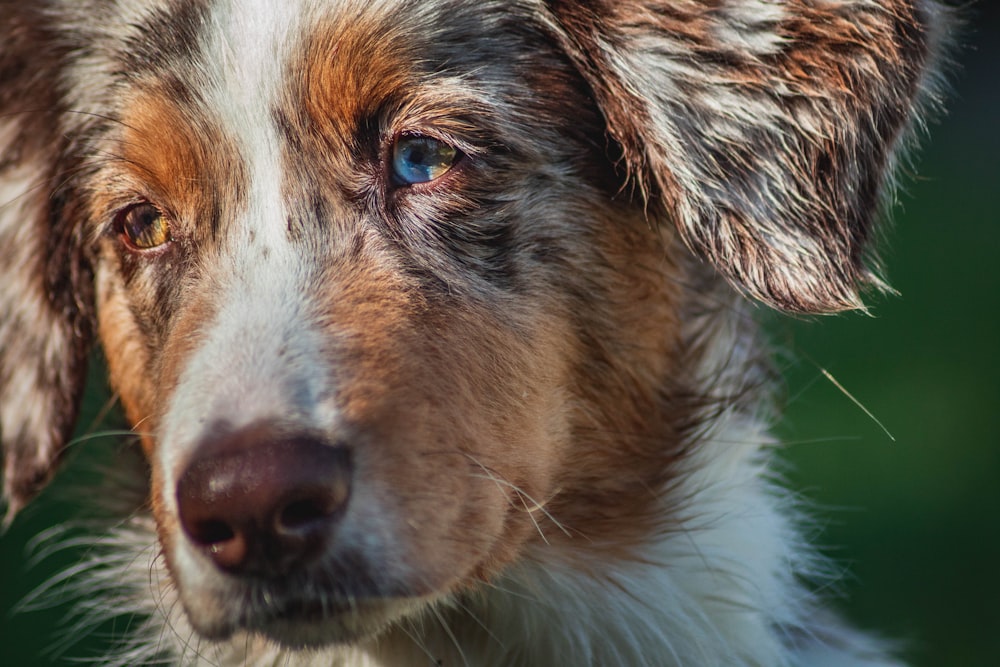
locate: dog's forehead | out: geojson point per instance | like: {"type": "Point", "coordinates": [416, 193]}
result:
{"type": "Point", "coordinates": [236, 104]}
{"type": "Point", "coordinates": [210, 80]}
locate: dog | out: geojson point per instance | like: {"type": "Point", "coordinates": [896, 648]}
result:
{"type": "Point", "coordinates": [435, 320]}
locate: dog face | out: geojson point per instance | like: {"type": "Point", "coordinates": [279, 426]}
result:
{"type": "Point", "coordinates": [396, 292]}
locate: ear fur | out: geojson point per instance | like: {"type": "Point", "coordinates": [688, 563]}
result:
{"type": "Point", "coordinates": [45, 279]}
{"type": "Point", "coordinates": [766, 131]}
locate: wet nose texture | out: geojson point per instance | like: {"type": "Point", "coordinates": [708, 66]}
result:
{"type": "Point", "coordinates": [263, 501]}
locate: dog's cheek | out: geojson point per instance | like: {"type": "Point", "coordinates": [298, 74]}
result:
{"type": "Point", "coordinates": [512, 427]}
{"type": "Point", "coordinates": [142, 361]}
{"type": "Point", "coordinates": [630, 395]}
{"type": "Point", "coordinates": [125, 349]}
{"type": "Point", "coordinates": [461, 411]}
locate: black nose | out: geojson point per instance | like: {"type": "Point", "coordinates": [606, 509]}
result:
{"type": "Point", "coordinates": [263, 501]}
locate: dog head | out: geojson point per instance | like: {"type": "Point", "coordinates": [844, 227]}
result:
{"type": "Point", "coordinates": [392, 291]}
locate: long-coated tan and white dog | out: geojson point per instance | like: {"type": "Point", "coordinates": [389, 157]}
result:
{"type": "Point", "coordinates": [432, 317]}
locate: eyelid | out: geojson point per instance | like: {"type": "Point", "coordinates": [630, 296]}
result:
{"type": "Point", "coordinates": [464, 136]}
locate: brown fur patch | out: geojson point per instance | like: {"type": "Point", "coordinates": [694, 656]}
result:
{"type": "Point", "coordinates": [174, 155]}
{"type": "Point", "coordinates": [349, 70]}
{"type": "Point", "coordinates": [453, 411]}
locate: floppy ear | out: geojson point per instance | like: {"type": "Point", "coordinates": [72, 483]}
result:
{"type": "Point", "coordinates": [45, 281]}
{"type": "Point", "coordinates": [765, 130]}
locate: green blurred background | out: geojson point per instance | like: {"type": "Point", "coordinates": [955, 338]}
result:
{"type": "Point", "coordinates": [915, 521]}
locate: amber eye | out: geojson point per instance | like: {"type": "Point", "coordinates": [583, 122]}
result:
{"type": "Point", "coordinates": [420, 159]}
{"type": "Point", "coordinates": [144, 226]}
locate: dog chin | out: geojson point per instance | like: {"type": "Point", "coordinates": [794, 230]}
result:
{"type": "Point", "coordinates": [313, 633]}
{"type": "Point", "coordinates": [307, 624]}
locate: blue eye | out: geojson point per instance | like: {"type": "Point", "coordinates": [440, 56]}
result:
{"type": "Point", "coordinates": [420, 159]}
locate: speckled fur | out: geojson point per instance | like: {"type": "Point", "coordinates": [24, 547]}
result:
{"type": "Point", "coordinates": [544, 362]}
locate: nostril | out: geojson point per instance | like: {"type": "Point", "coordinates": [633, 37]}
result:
{"type": "Point", "coordinates": [303, 514]}
{"type": "Point", "coordinates": [211, 532]}
{"type": "Point", "coordinates": [230, 553]}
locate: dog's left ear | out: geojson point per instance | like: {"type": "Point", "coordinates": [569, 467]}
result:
{"type": "Point", "coordinates": [45, 337]}
{"type": "Point", "coordinates": [765, 130]}
{"type": "Point", "coordinates": [46, 283]}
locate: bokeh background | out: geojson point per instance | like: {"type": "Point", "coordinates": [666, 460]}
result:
{"type": "Point", "coordinates": [915, 520]}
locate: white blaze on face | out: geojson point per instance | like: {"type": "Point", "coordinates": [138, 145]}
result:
{"type": "Point", "coordinates": [258, 357]}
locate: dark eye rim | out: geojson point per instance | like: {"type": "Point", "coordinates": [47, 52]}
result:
{"type": "Point", "coordinates": [118, 226]}
{"type": "Point", "coordinates": [395, 184]}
